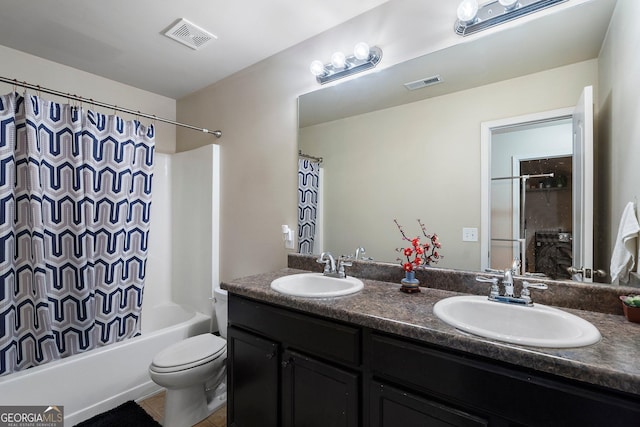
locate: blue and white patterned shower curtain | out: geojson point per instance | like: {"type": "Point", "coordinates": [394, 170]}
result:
{"type": "Point", "coordinates": [308, 181]}
{"type": "Point", "coordinates": [75, 195]}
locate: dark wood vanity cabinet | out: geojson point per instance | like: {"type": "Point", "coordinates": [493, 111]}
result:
{"type": "Point", "coordinates": [288, 368]}
{"type": "Point", "coordinates": [306, 369]}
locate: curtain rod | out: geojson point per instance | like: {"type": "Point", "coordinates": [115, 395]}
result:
{"type": "Point", "coordinates": [306, 156]}
{"type": "Point", "coordinates": [26, 85]}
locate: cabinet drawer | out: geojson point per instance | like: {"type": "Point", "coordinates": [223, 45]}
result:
{"type": "Point", "coordinates": [320, 337]}
{"type": "Point", "coordinates": [478, 384]}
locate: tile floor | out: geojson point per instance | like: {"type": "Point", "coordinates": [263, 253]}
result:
{"type": "Point", "coordinates": [154, 405]}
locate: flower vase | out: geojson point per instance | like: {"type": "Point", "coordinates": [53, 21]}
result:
{"type": "Point", "coordinates": [410, 284]}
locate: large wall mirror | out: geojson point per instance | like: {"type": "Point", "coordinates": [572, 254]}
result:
{"type": "Point", "coordinates": [390, 153]}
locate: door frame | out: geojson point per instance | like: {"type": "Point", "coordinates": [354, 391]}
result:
{"type": "Point", "coordinates": [486, 132]}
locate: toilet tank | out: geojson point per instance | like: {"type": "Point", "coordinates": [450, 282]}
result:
{"type": "Point", "coordinates": [220, 305]}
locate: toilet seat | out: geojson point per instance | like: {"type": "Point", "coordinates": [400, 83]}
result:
{"type": "Point", "coordinates": [189, 353]}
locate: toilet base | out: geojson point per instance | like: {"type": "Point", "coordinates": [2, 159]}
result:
{"type": "Point", "coordinates": [188, 406]}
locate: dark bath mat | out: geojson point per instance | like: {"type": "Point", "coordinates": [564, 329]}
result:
{"type": "Point", "coordinates": [129, 414]}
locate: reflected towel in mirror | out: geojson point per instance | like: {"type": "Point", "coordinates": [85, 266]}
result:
{"type": "Point", "coordinates": [625, 249]}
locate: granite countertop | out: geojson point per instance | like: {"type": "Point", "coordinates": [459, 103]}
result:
{"type": "Point", "coordinates": [614, 362]}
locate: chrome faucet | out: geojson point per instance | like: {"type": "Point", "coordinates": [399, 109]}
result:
{"type": "Point", "coordinates": [507, 283]}
{"type": "Point", "coordinates": [333, 268]}
{"type": "Point", "coordinates": [359, 251]}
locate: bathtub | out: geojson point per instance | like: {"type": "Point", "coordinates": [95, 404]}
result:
{"type": "Point", "coordinates": [98, 380]}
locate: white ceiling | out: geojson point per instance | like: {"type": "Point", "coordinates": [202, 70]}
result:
{"type": "Point", "coordinates": [123, 39]}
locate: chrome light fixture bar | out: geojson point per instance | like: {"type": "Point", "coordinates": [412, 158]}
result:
{"type": "Point", "coordinates": [473, 18]}
{"type": "Point", "coordinates": [363, 58]}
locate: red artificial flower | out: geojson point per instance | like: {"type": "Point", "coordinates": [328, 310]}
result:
{"type": "Point", "coordinates": [423, 253]}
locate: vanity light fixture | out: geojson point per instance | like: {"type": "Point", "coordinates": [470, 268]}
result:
{"type": "Point", "coordinates": [473, 18]}
{"type": "Point", "coordinates": [363, 58]}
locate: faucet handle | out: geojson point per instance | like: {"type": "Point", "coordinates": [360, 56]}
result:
{"type": "Point", "coordinates": [346, 260]}
{"type": "Point", "coordinates": [527, 285]}
{"type": "Point", "coordinates": [342, 263]}
{"type": "Point", "coordinates": [525, 295]}
{"type": "Point", "coordinates": [325, 258]}
{"type": "Point", "coordinates": [494, 290]}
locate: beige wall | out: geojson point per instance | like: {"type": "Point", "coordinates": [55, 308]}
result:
{"type": "Point", "coordinates": [256, 110]}
{"type": "Point", "coordinates": [421, 160]}
{"type": "Point", "coordinates": [618, 149]}
{"type": "Point", "coordinates": [32, 69]}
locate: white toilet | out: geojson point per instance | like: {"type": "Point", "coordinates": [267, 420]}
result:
{"type": "Point", "coordinates": [194, 373]}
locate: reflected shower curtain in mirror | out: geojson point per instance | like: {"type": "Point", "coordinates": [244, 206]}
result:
{"type": "Point", "coordinates": [75, 195]}
{"type": "Point", "coordinates": [308, 181]}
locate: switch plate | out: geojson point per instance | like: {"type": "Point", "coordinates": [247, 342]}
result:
{"type": "Point", "coordinates": [469, 234]}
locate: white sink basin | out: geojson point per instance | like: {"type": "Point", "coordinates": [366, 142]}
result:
{"type": "Point", "coordinates": [316, 285]}
{"type": "Point", "coordinates": [540, 325]}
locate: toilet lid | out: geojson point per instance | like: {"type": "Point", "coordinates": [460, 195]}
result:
{"type": "Point", "coordinates": [190, 351]}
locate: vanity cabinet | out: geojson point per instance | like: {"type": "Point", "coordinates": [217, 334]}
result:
{"type": "Point", "coordinates": [289, 368]}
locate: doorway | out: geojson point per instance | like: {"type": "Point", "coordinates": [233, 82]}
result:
{"type": "Point", "coordinates": [503, 235]}
{"type": "Point", "coordinates": [520, 153]}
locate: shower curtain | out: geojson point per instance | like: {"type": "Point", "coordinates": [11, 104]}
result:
{"type": "Point", "coordinates": [75, 195]}
{"type": "Point", "coordinates": [308, 180]}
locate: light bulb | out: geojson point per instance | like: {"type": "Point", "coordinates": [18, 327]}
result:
{"type": "Point", "coordinates": [338, 60]}
{"type": "Point", "coordinates": [317, 68]}
{"type": "Point", "coordinates": [508, 4]}
{"type": "Point", "coordinates": [467, 11]}
{"type": "Point", "coordinates": [361, 51]}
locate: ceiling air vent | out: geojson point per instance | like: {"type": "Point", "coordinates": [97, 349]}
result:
{"type": "Point", "coordinates": [189, 34]}
{"type": "Point", "coordinates": [419, 84]}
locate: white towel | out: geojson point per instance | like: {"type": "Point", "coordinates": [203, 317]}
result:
{"type": "Point", "coordinates": [623, 257]}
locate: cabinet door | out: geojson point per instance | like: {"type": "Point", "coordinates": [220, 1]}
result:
{"type": "Point", "coordinates": [253, 380]}
{"type": "Point", "coordinates": [391, 407]}
{"type": "Point", "coordinates": [317, 394]}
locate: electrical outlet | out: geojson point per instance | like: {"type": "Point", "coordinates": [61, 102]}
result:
{"type": "Point", "coordinates": [469, 234]}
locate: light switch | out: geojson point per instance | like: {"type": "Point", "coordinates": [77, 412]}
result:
{"type": "Point", "coordinates": [469, 234]}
